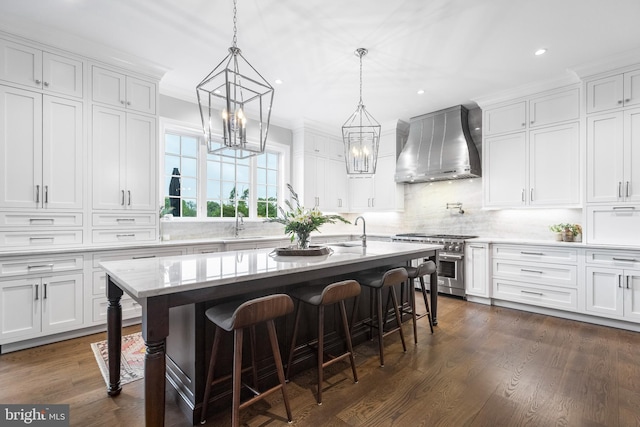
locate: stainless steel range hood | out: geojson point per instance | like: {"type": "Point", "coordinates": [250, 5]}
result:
{"type": "Point", "coordinates": [439, 148]}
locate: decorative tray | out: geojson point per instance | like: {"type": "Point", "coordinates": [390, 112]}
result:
{"type": "Point", "coordinates": [312, 251]}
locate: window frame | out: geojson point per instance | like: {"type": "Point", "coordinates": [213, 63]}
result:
{"type": "Point", "coordinates": [184, 128]}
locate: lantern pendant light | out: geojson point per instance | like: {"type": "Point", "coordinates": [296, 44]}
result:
{"type": "Point", "coordinates": [361, 136]}
{"type": "Point", "coordinates": [225, 96]}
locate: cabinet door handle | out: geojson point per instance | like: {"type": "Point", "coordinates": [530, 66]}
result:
{"type": "Point", "coordinates": [37, 297]}
{"type": "Point", "coordinates": [626, 192]}
{"type": "Point", "coordinates": [129, 197]}
{"type": "Point", "coordinates": [46, 194]}
{"type": "Point", "coordinates": [143, 257]}
{"type": "Point", "coordinates": [524, 124]}
{"type": "Point", "coordinates": [46, 84]}
{"type": "Point", "coordinates": [128, 102]}
{"type": "Point", "coordinates": [122, 199]}
{"type": "Point", "coordinates": [620, 101]}
{"type": "Point", "coordinates": [531, 195]}
{"type": "Point", "coordinates": [531, 253]}
{"type": "Point", "coordinates": [522, 195]}
{"type": "Point", "coordinates": [627, 100]}
{"type": "Point", "coordinates": [125, 220]}
{"type": "Point", "coordinates": [624, 208]}
{"type": "Point", "coordinates": [125, 235]}
{"type": "Point", "coordinates": [532, 293]}
{"type": "Point", "coordinates": [122, 101]}
{"type": "Point", "coordinates": [624, 259]}
{"type": "Point", "coordinates": [29, 267]}
{"type": "Point", "coordinates": [628, 282]}
{"type": "Point", "coordinates": [44, 291]}
{"type": "Point", "coordinates": [619, 280]}
{"type": "Point", "coordinates": [373, 202]}
{"type": "Point", "coordinates": [619, 189]}
{"type": "Point", "coordinates": [532, 121]}
{"type": "Point", "coordinates": [37, 193]}
{"type": "Point", "coordinates": [38, 81]}
{"type": "Point", "coordinates": [524, 270]}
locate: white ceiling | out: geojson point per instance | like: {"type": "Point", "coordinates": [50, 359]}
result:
{"type": "Point", "coordinates": [455, 50]}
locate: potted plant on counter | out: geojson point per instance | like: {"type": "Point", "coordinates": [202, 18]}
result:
{"type": "Point", "coordinates": [565, 232]}
{"type": "Point", "coordinates": [300, 222]}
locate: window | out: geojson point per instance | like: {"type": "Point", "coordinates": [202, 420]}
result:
{"type": "Point", "coordinates": [202, 185]}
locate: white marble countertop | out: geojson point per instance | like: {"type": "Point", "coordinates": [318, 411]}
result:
{"type": "Point", "coordinates": [142, 278]}
{"type": "Point", "coordinates": [541, 242]}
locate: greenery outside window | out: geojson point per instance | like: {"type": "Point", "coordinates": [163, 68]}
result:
{"type": "Point", "coordinates": [202, 185]}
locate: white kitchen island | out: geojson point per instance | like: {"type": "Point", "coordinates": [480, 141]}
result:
{"type": "Point", "coordinates": [159, 284]}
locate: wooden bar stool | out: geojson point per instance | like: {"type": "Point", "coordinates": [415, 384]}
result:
{"type": "Point", "coordinates": [376, 283]}
{"type": "Point", "coordinates": [427, 267]}
{"type": "Point", "coordinates": [322, 296]}
{"type": "Point", "coordinates": [236, 316]}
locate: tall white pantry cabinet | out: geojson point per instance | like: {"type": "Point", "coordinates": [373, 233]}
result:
{"type": "Point", "coordinates": [78, 170]}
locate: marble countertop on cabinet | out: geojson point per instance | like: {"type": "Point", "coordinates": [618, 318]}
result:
{"type": "Point", "coordinates": [543, 242]}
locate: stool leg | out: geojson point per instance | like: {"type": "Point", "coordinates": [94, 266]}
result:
{"type": "Point", "coordinates": [237, 377]}
{"type": "Point", "coordinates": [212, 363]}
{"type": "Point", "coordinates": [254, 363]}
{"type": "Point", "coordinates": [380, 325]}
{"type": "Point", "coordinates": [347, 335]}
{"type": "Point", "coordinates": [426, 302]}
{"type": "Point", "coordinates": [293, 340]}
{"type": "Point", "coordinates": [278, 360]}
{"type": "Point", "coordinates": [320, 351]}
{"type": "Point", "coordinates": [412, 302]}
{"type": "Point", "coordinates": [396, 309]}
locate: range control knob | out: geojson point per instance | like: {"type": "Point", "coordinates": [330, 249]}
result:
{"type": "Point", "coordinates": [456, 248]}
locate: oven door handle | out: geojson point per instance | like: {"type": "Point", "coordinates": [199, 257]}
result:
{"type": "Point", "coordinates": [446, 257]}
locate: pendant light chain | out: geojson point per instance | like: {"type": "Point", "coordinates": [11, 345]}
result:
{"type": "Point", "coordinates": [235, 23]}
{"type": "Point", "coordinates": [361, 53]}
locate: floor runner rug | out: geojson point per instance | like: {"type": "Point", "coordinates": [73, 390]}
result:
{"type": "Point", "coordinates": [132, 360]}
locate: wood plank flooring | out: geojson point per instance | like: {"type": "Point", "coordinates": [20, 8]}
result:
{"type": "Point", "coordinates": [484, 366]}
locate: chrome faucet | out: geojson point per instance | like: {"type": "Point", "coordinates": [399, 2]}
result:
{"type": "Point", "coordinates": [364, 231]}
{"type": "Point", "coordinates": [239, 225]}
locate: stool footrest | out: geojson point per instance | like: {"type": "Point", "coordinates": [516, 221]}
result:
{"type": "Point", "coordinates": [260, 396]}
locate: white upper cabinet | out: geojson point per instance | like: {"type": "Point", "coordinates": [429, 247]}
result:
{"type": "Point", "coordinates": [37, 69]}
{"type": "Point", "coordinates": [41, 150]}
{"type": "Point", "coordinates": [554, 108]}
{"type": "Point", "coordinates": [613, 157]}
{"type": "Point", "coordinates": [124, 157]}
{"type": "Point", "coordinates": [507, 118]}
{"type": "Point", "coordinates": [616, 91]}
{"type": "Point", "coordinates": [505, 170]}
{"type": "Point", "coordinates": [532, 151]}
{"type": "Point", "coordinates": [120, 90]}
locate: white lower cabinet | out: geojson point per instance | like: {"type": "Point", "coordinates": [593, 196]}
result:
{"type": "Point", "coordinates": [476, 270]}
{"type": "Point", "coordinates": [613, 284]}
{"type": "Point", "coordinates": [614, 293]}
{"type": "Point", "coordinates": [40, 305]}
{"type": "Point", "coordinates": [541, 276]}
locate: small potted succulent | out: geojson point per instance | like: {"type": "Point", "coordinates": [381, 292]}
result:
{"type": "Point", "coordinates": [557, 229]}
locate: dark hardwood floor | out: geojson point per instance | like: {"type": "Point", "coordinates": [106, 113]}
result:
{"type": "Point", "coordinates": [484, 366]}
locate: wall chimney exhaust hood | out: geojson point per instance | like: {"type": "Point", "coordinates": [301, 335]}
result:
{"type": "Point", "coordinates": [439, 148]}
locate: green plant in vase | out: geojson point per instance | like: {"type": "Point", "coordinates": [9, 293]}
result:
{"type": "Point", "coordinates": [300, 222]}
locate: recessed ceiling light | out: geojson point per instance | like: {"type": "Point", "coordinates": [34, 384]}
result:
{"type": "Point", "coordinates": [540, 51]}
{"type": "Point", "coordinates": [420, 91]}
{"type": "Point", "coordinates": [217, 92]}
{"type": "Point", "coordinates": [278, 81]}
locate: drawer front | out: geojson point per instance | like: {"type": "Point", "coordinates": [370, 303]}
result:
{"type": "Point", "coordinates": [40, 239]}
{"type": "Point", "coordinates": [543, 296]}
{"type": "Point", "coordinates": [124, 236]}
{"type": "Point", "coordinates": [130, 309]}
{"type": "Point", "coordinates": [535, 253]}
{"type": "Point", "coordinates": [124, 220]}
{"type": "Point", "coordinates": [613, 225]}
{"type": "Point", "coordinates": [36, 220]}
{"type": "Point", "coordinates": [38, 265]}
{"type": "Point", "coordinates": [119, 255]}
{"type": "Point", "coordinates": [551, 274]}
{"type": "Point", "coordinates": [613, 258]}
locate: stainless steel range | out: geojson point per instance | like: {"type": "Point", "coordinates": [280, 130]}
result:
{"type": "Point", "coordinates": [451, 268]}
